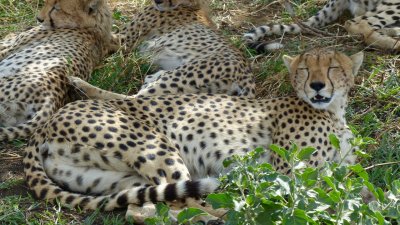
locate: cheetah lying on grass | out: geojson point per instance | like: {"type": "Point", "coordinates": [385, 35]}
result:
{"type": "Point", "coordinates": [126, 152]}
{"type": "Point", "coordinates": [378, 21]}
{"type": "Point", "coordinates": [191, 56]}
{"type": "Point", "coordinates": [73, 36]}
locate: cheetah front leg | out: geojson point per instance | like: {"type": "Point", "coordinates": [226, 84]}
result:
{"type": "Point", "coordinates": [93, 92]}
{"type": "Point", "coordinates": [374, 32]}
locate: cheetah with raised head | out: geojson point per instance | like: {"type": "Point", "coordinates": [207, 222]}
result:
{"type": "Point", "coordinates": [72, 38]}
{"type": "Point", "coordinates": [192, 57]}
{"type": "Point", "coordinates": [129, 151]}
{"type": "Point", "coordinates": [378, 21]}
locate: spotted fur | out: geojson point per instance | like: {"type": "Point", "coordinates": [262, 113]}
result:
{"type": "Point", "coordinates": [133, 150]}
{"type": "Point", "coordinates": [378, 21]}
{"type": "Point", "coordinates": [191, 56]}
{"type": "Point", "coordinates": [73, 36]}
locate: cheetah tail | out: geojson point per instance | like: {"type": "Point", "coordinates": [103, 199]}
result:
{"type": "Point", "coordinates": [44, 188]}
{"type": "Point", "coordinates": [263, 47]}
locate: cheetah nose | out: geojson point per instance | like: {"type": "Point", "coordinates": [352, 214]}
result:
{"type": "Point", "coordinates": [158, 1]}
{"type": "Point", "coordinates": [317, 86]}
{"type": "Point", "coordinates": [40, 20]}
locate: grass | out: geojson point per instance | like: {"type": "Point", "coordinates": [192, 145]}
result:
{"type": "Point", "coordinates": [17, 15]}
{"type": "Point", "coordinates": [374, 107]}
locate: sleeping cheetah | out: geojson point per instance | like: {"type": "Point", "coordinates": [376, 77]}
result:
{"type": "Point", "coordinates": [377, 20]}
{"type": "Point", "coordinates": [192, 57]}
{"type": "Point", "coordinates": [114, 153]}
{"type": "Point", "coordinates": [73, 36]}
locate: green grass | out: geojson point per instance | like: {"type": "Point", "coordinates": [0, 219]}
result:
{"type": "Point", "coordinates": [17, 15]}
{"type": "Point", "coordinates": [7, 185]}
{"type": "Point", "coordinates": [26, 210]}
{"type": "Point", "coordinates": [122, 74]}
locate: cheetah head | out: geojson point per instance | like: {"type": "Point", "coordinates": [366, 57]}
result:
{"type": "Point", "coordinates": [322, 77]}
{"type": "Point", "coordinates": [76, 14]}
{"type": "Point", "coordinates": [165, 5]}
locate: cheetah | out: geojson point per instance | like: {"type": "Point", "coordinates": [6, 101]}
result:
{"type": "Point", "coordinates": [71, 39]}
{"type": "Point", "coordinates": [378, 21]}
{"type": "Point", "coordinates": [136, 150]}
{"type": "Point", "coordinates": [192, 57]}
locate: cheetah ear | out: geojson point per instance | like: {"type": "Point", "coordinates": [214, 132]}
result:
{"type": "Point", "coordinates": [288, 62]}
{"type": "Point", "coordinates": [92, 6]}
{"type": "Point", "coordinates": [357, 60]}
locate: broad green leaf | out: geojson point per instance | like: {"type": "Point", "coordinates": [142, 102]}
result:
{"type": "Point", "coordinates": [283, 153]}
{"type": "Point", "coordinates": [162, 209]}
{"type": "Point", "coordinates": [299, 217]}
{"type": "Point", "coordinates": [227, 162]}
{"type": "Point", "coordinates": [309, 176]}
{"type": "Point", "coordinates": [360, 171]}
{"type": "Point", "coordinates": [329, 181]}
{"type": "Point", "coordinates": [233, 218]}
{"type": "Point", "coordinates": [152, 221]}
{"type": "Point", "coordinates": [362, 154]}
{"type": "Point", "coordinates": [335, 196]}
{"type": "Point", "coordinates": [305, 153]}
{"type": "Point", "coordinates": [324, 197]}
{"type": "Point", "coordinates": [256, 152]}
{"type": "Point", "coordinates": [380, 218]}
{"type": "Point", "coordinates": [340, 173]}
{"type": "Point", "coordinates": [220, 200]}
{"type": "Point", "coordinates": [371, 188]}
{"type": "Point", "coordinates": [264, 218]}
{"type": "Point", "coordinates": [250, 199]}
{"type": "Point", "coordinates": [381, 194]}
{"type": "Point", "coordinates": [334, 141]}
{"type": "Point", "coordinates": [188, 214]}
{"type": "Point", "coordinates": [294, 149]}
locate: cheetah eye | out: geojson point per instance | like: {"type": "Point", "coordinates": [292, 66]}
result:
{"type": "Point", "coordinates": [302, 69]}
{"type": "Point", "coordinates": [332, 68]}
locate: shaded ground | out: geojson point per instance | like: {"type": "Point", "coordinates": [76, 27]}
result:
{"type": "Point", "coordinates": [11, 169]}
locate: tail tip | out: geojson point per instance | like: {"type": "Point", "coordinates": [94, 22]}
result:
{"type": "Point", "coordinates": [265, 47]}
{"type": "Point", "coordinates": [210, 184]}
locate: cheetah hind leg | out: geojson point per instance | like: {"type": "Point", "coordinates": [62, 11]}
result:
{"type": "Point", "coordinates": [212, 216]}
{"type": "Point", "coordinates": [92, 92]}
{"type": "Point", "coordinates": [377, 38]}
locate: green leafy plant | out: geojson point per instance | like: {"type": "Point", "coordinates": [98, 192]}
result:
{"type": "Point", "coordinates": [162, 217]}
{"type": "Point", "coordinates": [254, 193]}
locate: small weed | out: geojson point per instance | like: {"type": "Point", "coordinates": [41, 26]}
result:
{"type": "Point", "coordinates": [11, 183]}
{"type": "Point", "coordinates": [122, 74]}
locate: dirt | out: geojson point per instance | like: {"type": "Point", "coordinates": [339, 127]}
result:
{"type": "Point", "coordinates": [11, 168]}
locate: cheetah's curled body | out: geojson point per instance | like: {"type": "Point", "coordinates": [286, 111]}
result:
{"type": "Point", "coordinates": [192, 57]}
{"type": "Point", "coordinates": [378, 21]}
{"type": "Point", "coordinates": [98, 148]}
{"type": "Point", "coordinates": [35, 64]}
